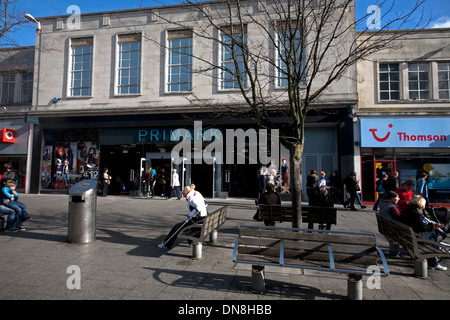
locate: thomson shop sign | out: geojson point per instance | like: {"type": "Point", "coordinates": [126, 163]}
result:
{"type": "Point", "coordinates": [405, 133]}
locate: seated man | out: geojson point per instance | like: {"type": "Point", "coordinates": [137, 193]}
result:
{"type": "Point", "coordinates": [197, 211]}
{"type": "Point", "coordinates": [268, 197]}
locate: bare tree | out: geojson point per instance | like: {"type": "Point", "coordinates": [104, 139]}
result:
{"type": "Point", "coordinates": [303, 48]}
{"type": "Point", "coordinates": [10, 19]}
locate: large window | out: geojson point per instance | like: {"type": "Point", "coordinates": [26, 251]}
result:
{"type": "Point", "coordinates": [389, 77]}
{"type": "Point", "coordinates": [290, 57]}
{"type": "Point", "coordinates": [233, 46]}
{"type": "Point", "coordinates": [27, 88]}
{"type": "Point", "coordinates": [8, 85]}
{"type": "Point", "coordinates": [419, 84]}
{"type": "Point", "coordinates": [129, 64]}
{"type": "Point", "coordinates": [444, 80]}
{"type": "Point", "coordinates": [179, 61]}
{"type": "Point", "coordinates": [81, 67]}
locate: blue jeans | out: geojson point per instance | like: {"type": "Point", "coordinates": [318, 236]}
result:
{"type": "Point", "coordinates": [20, 209]}
{"type": "Point", "coordinates": [12, 219]}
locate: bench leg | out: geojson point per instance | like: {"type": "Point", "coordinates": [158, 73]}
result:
{"type": "Point", "coordinates": [213, 237]}
{"type": "Point", "coordinates": [394, 249]}
{"type": "Point", "coordinates": [354, 287]}
{"type": "Point", "coordinates": [197, 250]}
{"type": "Point", "coordinates": [258, 285]}
{"type": "Point", "coordinates": [421, 268]}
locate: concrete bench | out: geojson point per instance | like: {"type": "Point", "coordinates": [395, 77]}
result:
{"type": "Point", "coordinates": [417, 246]}
{"type": "Point", "coordinates": [203, 228]}
{"type": "Point", "coordinates": [351, 253]}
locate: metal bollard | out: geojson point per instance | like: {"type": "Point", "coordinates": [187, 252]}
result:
{"type": "Point", "coordinates": [354, 287]}
{"type": "Point", "coordinates": [258, 285]}
{"type": "Point", "coordinates": [213, 237]}
{"type": "Point", "coordinates": [421, 268]}
{"type": "Point", "coordinates": [197, 251]}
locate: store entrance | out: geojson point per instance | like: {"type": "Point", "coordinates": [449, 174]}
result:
{"type": "Point", "coordinates": [202, 176]}
{"type": "Point", "coordinates": [243, 180]}
{"type": "Point", "coordinates": [123, 164]}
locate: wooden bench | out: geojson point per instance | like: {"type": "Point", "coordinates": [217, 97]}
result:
{"type": "Point", "coordinates": [324, 216]}
{"type": "Point", "coordinates": [203, 228]}
{"type": "Point", "coordinates": [417, 246]}
{"type": "Point", "coordinates": [351, 253]}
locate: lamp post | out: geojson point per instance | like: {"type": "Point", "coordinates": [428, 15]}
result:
{"type": "Point", "coordinates": [35, 98]}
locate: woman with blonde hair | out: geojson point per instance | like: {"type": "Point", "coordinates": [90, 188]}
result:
{"type": "Point", "coordinates": [412, 217]}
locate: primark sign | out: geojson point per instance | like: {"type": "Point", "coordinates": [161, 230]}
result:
{"type": "Point", "coordinates": [209, 145]}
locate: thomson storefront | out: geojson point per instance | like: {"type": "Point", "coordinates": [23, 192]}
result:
{"type": "Point", "coordinates": [410, 146]}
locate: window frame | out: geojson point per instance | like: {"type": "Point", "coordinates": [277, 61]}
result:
{"type": "Point", "coordinates": [76, 42]}
{"type": "Point", "coordinates": [389, 91]}
{"type": "Point", "coordinates": [419, 81]}
{"type": "Point", "coordinates": [117, 83]}
{"type": "Point", "coordinates": [172, 35]}
{"type": "Point", "coordinates": [231, 30]}
{"type": "Point", "coordinates": [447, 80]}
{"type": "Point", "coordinates": [282, 26]}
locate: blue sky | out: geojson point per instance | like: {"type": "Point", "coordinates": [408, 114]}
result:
{"type": "Point", "coordinates": [436, 10]}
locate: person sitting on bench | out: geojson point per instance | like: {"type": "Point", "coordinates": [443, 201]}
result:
{"type": "Point", "coordinates": [196, 211]}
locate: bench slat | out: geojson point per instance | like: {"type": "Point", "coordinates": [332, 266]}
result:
{"type": "Point", "coordinates": [308, 235]}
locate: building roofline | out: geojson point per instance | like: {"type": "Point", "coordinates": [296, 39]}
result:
{"type": "Point", "coordinates": [143, 9]}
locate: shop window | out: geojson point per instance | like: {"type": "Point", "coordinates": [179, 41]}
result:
{"type": "Point", "coordinates": [81, 67]}
{"type": "Point", "coordinates": [389, 77]}
{"type": "Point", "coordinates": [179, 61]}
{"type": "Point", "coordinates": [69, 156]}
{"type": "Point", "coordinates": [232, 69]}
{"type": "Point", "coordinates": [129, 64]}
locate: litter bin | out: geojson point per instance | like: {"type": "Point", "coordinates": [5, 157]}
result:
{"type": "Point", "coordinates": [82, 211]}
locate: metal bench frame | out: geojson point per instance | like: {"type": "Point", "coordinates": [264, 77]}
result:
{"type": "Point", "coordinates": [198, 231]}
{"type": "Point", "coordinates": [354, 276]}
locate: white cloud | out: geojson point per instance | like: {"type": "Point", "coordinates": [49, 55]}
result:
{"type": "Point", "coordinates": [442, 22]}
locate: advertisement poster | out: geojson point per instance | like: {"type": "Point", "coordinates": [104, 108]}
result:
{"type": "Point", "coordinates": [438, 175]}
{"type": "Point", "coordinates": [47, 167]}
{"type": "Point", "coordinates": [72, 162]}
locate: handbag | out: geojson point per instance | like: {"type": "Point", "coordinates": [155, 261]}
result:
{"type": "Point", "coordinates": [357, 188]}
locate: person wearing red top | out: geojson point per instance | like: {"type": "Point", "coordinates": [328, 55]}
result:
{"type": "Point", "coordinates": [405, 194]}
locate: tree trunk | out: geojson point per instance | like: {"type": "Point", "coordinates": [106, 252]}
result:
{"type": "Point", "coordinates": [295, 160]}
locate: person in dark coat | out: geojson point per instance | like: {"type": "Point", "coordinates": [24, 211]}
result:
{"type": "Point", "coordinates": [268, 197]}
{"type": "Point", "coordinates": [413, 218]}
{"type": "Point", "coordinates": [350, 184]}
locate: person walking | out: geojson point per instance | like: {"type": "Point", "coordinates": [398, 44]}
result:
{"type": "Point", "coordinates": [106, 182]}
{"type": "Point", "coordinates": [422, 187]}
{"type": "Point", "coordinates": [380, 190]}
{"type": "Point", "coordinates": [175, 185]}
{"type": "Point", "coordinates": [392, 182]}
{"type": "Point", "coordinates": [350, 184]}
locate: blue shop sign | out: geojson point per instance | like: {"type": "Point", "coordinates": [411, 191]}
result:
{"type": "Point", "coordinates": [405, 133]}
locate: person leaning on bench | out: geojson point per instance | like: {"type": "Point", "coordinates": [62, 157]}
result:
{"type": "Point", "coordinates": [268, 197]}
{"type": "Point", "coordinates": [196, 211]}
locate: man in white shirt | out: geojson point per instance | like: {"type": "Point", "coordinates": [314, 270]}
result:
{"type": "Point", "coordinates": [196, 211]}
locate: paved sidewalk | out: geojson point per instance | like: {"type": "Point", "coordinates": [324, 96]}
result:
{"type": "Point", "coordinates": [124, 263]}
